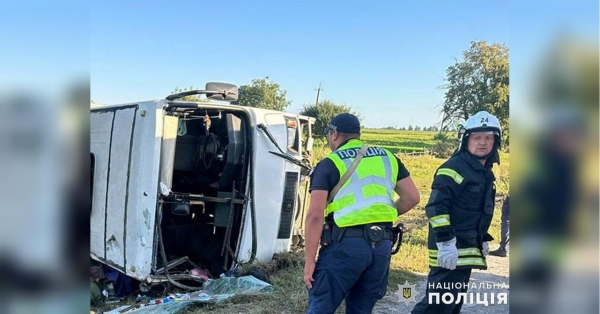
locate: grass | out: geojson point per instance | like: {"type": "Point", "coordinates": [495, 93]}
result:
{"type": "Point", "coordinates": [289, 294]}
{"type": "Point", "coordinates": [399, 141]}
{"type": "Point", "coordinates": [286, 270]}
{"type": "Point", "coordinates": [394, 140]}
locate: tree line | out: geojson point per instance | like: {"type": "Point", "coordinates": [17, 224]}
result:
{"type": "Point", "coordinates": [266, 94]}
{"type": "Point", "coordinates": [433, 128]}
{"type": "Point", "coordinates": [479, 81]}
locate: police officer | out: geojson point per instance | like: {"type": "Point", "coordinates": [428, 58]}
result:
{"type": "Point", "coordinates": [355, 227]}
{"type": "Point", "coordinates": [460, 210]}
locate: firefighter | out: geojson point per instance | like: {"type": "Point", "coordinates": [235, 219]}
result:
{"type": "Point", "coordinates": [460, 210]}
{"type": "Point", "coordinates": [355, 226]}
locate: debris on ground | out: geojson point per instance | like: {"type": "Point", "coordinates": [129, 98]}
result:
{"type": "Point", "coordinates": [214, 291]}
{"type": "Point", "coordinates": [199, 273]}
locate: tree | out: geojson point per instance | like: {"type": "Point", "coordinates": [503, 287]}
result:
{"type": "Point", "coordinates": [410, 127]}
{"type": "Point", "coordinates": [262, 93]}
{"type": "Point", "coordinates": [444, 145]}
{"type": "Point", "coordinates": [192, 97]}
{"type": "Point", "coordinates": [324, 112]}
{"type": "Point", "coordinates": [478, 82]}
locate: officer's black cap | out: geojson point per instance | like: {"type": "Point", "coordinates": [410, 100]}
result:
{"type": "Point", "coordinates": [344, 123]}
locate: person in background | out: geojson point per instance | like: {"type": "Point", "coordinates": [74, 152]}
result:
{"type": "Point", "coordinates": [502, 250]}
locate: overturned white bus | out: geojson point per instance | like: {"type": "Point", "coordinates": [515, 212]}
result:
{"type": "Point", "coordinates": [209, 185]}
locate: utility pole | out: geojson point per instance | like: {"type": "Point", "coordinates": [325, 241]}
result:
{"type": "Point", "coordinates": [318, 92]}
{"type": "Point", "coordinates": [443, 118]}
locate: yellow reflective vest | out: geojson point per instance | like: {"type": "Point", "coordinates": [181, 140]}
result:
{"type": "Point", "coordinates": [368, 195]}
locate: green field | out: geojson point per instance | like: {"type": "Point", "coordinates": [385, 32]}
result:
{"type": "Point", "coordinates": [395, 140]}
{"type": "Point", "coordinates": [399, 141]}
{"type": "Point", "coordinates": [290, 295]}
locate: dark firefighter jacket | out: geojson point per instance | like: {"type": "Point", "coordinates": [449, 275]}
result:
{"type": "Point", "coordinates": [461, 205]}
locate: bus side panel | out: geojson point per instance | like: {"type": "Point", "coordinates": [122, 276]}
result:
{"type": "Point", "coordinates": [269, 181]}
{"type": "Point", "coordinates": [118, 177]}
{"type": "Point", "coordinates": [143, 193]}
{"type": "Point", "coordinates": [100, 137]}
{"type": "Point", "coordinates": [125, 141]}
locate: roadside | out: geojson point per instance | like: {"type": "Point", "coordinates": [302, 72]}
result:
{"type": "Point", "coordinates": [285, 271]}
{"type": "Point", "coordinates": [497, 273]}
{"type": "Point", "coordinates": [288, 296]}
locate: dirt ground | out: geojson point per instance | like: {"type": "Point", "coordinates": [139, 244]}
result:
{"type": "Point", "coordinates": [497, 272]}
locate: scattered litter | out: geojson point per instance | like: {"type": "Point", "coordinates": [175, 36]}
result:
{"type": "Point", "coordinates": [142, 298]}
{"type": "Point", "coordinates": [226, 287]}
{"type": "Point", "coordinates": [199, 273]}
{"type": "Point", "coordinates": [118, 310]}
{"type": "Point", "coordinates": [215, 291]}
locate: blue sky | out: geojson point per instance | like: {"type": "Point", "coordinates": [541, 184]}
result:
{"type": "Point", "coordinates": [45, 46]}
{"type": "Point", "coordinates": [385, 59]}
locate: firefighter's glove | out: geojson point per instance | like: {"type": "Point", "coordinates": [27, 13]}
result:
{"type": "Point", "coordinates": [447, 254]}
{"type": "Point", "coordinates": [486, 248]}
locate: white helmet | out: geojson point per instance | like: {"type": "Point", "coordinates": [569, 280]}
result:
{"type": "Point", "coordinates": [482, 121]}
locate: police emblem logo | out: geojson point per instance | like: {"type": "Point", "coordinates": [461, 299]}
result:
{"type": "Point", "coordinates": [406, 293]}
